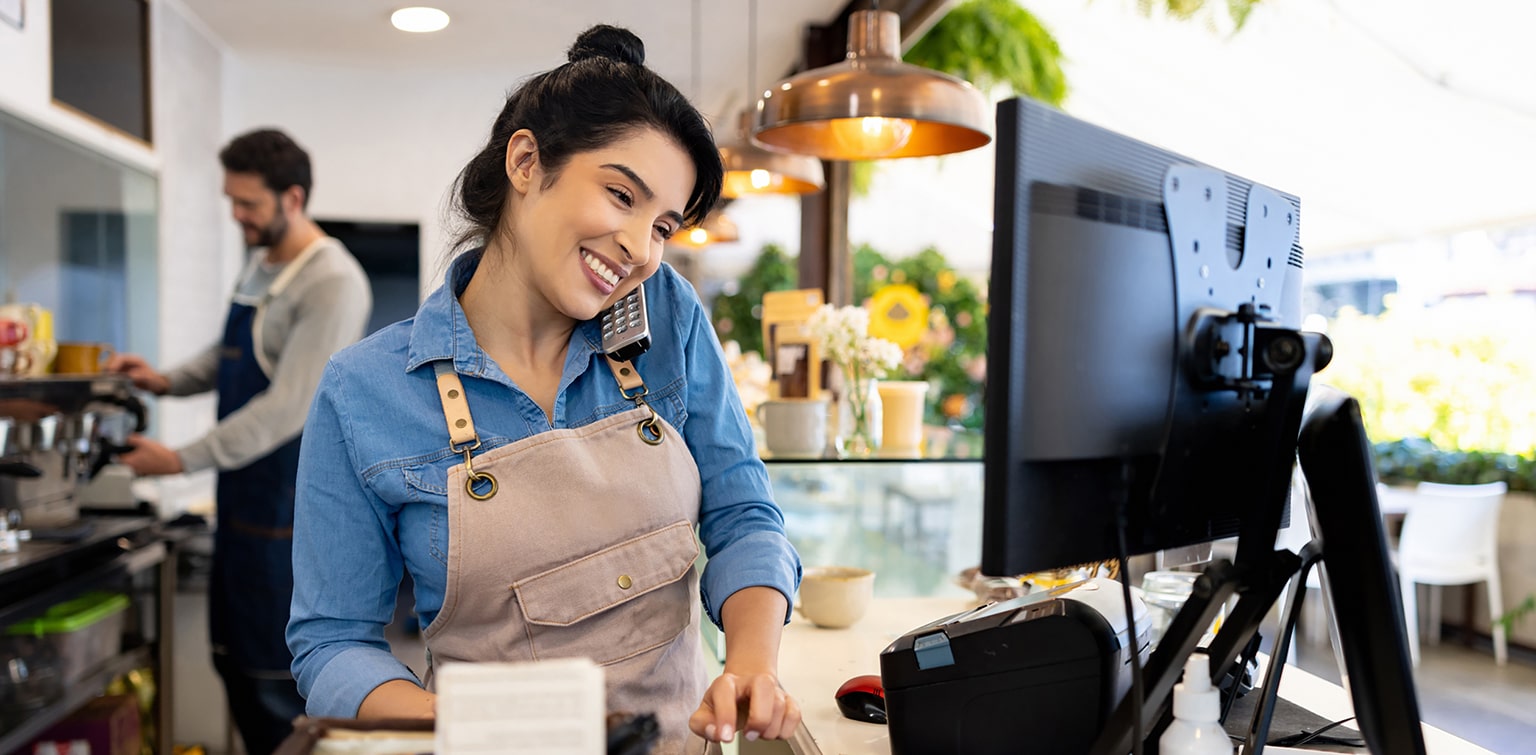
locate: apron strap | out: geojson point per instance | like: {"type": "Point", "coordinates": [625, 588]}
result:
{"type": "Point", "coordinates": [461, 426]}
{"type": "Point", "coordinates": [627, 377]}
{"type": "Point", "coordinates": [461, 429]}
{"type": "Point", "coordinates": [633, 388]}
{"type": "Point", "coordinates": [286, 276]}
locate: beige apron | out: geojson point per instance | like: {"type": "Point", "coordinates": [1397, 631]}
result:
{"type": "Point", "coordinates": [578, 542]}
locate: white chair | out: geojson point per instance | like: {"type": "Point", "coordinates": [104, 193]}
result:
{"type": "Point", "coordinates": [1450, 537]}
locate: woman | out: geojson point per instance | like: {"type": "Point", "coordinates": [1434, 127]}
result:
{"type": "Point", "coordinates": [488, 444]}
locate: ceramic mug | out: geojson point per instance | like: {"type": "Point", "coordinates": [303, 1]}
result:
{"type": "Point", "coordinates": [75, 358]}
{"type": "Point", "coordinates": [834, 597]}
{"type": "Point", "coordinates": [794, 428]}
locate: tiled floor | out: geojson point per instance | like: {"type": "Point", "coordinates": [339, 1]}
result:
{"type": "Point", "coordinates": [1463, 692]}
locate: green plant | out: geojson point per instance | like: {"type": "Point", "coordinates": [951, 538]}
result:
{"type": "Point", "coordinates": [738, 315]}
{"type": "Point", "coordinates": [952, 354]}
{"type": "Point", "coordinates": [1516, 614]}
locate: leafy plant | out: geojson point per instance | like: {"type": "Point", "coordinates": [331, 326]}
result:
{"type": "Point", "coordinates": [738, 315]}
{"type": "Point", "coordinates": [991, 43]}
{"type": "Point", "coordinates": [952, 354]}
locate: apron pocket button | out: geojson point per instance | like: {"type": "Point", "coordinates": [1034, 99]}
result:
{"type": "Point", "coordinates": [625, 582]}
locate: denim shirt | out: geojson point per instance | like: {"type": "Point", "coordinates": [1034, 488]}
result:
{"type": "Point", "coordinates": [372, 492]}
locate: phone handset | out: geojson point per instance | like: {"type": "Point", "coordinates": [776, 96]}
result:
{"type": "Point", "coordinates": [626, 328]}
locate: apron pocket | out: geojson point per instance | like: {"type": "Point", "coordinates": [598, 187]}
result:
{"type": "Point", "coordinates": [616, 603]}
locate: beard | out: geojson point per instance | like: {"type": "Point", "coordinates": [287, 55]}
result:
{"type": "Point", "coordinates": [271, 234]}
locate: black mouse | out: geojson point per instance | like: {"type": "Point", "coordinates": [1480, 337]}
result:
{"type": "Point", "coordinates": [862, 698]}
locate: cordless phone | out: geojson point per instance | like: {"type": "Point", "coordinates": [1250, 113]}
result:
{"type": "Point", "coordinates": [626, 330]}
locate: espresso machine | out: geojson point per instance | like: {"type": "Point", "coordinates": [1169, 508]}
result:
{"type": "Point", "coordinates": [58, 435]}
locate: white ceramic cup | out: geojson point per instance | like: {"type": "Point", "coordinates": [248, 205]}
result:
{"type": "Point", "coordinates": [794, 427]}
{"type": "Point", "coordinates": [902, 403]}
{"type": "Point", "coordinates": [835, 597]}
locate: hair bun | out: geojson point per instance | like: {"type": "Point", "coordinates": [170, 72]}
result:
{"type": "Point", "coordinates": [612, 42]}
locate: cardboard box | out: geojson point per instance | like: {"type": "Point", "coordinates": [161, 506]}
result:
{"type": "Point", "coordinates": [108, 725]}
{"type": "Point", "coordinates": [790, 348]}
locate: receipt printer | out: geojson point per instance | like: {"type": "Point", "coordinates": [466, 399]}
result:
{"type": "Point", "coordinates": [1039, 673]}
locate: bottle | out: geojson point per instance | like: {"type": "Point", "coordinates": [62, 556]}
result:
{"type": "Point", "coordinates": [1196, 727]}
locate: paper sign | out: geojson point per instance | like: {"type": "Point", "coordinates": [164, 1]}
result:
{"type": "Point", "coordinates": [554, 707]}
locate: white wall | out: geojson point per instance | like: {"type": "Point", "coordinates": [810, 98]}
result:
{"type": "Point", "coordinates": [199, 255]}
{"type": "Point", "coordinates": [386, 144]}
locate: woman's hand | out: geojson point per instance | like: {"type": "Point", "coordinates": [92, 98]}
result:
{"type": "Point", "coordinates": [751, 703]}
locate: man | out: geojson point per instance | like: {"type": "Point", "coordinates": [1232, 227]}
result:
{"type": "Point", "coordinates": [301, 297]}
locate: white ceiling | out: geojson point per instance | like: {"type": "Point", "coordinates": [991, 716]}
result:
{"type": "Point", "coordinates": [523, 37]}
{"type": "Point", "coordinates": [1391, 119]}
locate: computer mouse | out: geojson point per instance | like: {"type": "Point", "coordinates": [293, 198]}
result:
{"type": "Point", "coordinates": [862, 698]}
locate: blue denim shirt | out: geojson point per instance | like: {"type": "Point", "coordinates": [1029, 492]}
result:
{"type": "Point", "coordinates": [372, 492]}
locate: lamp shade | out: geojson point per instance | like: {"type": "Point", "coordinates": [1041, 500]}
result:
{"type": "Point", "coordinates": [872, 105]}
{"type": "Point", "coordinates": [716, 229]}
{"type": "Point", "coordinates": [750, 169]}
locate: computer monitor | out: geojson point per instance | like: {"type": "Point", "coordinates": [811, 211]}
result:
{"type": "Point", "coordinates": [1090, 386]}
{"type": "Point", "coordinates": [1145, 389]}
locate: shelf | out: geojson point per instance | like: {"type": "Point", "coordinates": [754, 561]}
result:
{"type": "Point", "coordinates": [25, 580]}
{"type": "Point", "coordinates": [87, 688]}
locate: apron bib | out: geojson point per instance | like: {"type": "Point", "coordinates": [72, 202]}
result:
{"type": "Point", "coordinates": [251, 587]}
{"type": "Point", "coordinates": [578, 542]}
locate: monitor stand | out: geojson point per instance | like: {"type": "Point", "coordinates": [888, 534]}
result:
{"type": "Point", "coordinates": [1336, 461]}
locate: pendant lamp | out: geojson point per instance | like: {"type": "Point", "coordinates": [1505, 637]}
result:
{"type": "Point", "coordinates": [716, 229]}
{"type": "Point", "coordinates": [872, 105]}
{"type": "Point", "coordinates": [750, 169]}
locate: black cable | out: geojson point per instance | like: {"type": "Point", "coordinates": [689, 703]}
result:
{"type": "Point", "coordinates": [1138, 693]}
{"type": "Point", "coordinates": [1304, 737]}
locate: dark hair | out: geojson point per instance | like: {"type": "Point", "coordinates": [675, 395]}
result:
{"type": "Point", "coordinates": [271, 154]}
{"type": "Point", "coordinates": [601, 95]}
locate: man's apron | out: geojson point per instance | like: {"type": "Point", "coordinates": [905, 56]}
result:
{"type": "Point", "coordinates": [578, 542]}
{"type": "Point", "coordinates": [252, 582]}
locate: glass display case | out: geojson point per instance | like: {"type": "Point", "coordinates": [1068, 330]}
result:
{"type": "Point", "coordinates": [916, 523]}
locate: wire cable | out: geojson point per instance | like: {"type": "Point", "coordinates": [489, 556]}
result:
{"type": "Point", "coordinates": [1138, 692]}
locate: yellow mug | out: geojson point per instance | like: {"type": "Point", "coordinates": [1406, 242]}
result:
{"type": "Point", "coordinates": [75, 358]}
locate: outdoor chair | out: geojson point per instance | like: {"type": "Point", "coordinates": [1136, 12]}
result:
{"type": "Point", "coordinates": [1450, 537]}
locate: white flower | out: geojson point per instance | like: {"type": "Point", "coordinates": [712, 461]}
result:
{"type": "Point", "coordinates": [843, 334]}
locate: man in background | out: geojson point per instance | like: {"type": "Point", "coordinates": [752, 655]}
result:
{"type": "Point", "coordinates": [301, 297]}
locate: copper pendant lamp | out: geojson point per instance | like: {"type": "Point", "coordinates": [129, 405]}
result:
{"type": "Point", "coordinates": [872, 105]}
{"type": "Point", "coordinates": [717, 228]}
{"type": "Point", "coordinates": [750, 169]}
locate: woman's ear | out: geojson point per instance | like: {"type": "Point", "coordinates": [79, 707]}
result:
{"type": "Point", "coordinates": [522, 159]}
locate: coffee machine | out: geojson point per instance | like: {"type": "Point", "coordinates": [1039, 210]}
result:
{"type": "Point", "coordinates": [57, 435]}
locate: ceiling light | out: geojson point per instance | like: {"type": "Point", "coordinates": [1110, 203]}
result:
{"type": "Point", "coordinates": [716, 229]}
{"type": "Point", "coordinates": [750, 169]}
{"type": "Point", "coordinates": [872, 105]}
{"type": "Point", "coordinates": [419, 19]}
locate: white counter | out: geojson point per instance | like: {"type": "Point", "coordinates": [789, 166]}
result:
{"type": "Point", "coordinates": [814, 662]}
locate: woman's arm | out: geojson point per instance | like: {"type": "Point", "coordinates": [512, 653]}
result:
{"type": "Point", "coordinates": [747, 694]}
{"type": "Point", "coordinates": [346, 564]}
{"type": "Point", "coordinates": [398, 698]}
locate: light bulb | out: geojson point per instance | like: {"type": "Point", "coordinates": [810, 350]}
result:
{"type": "Point", "coordinates": [419, 19]}
{"type": "Point", "coordinates": [761, 179]}
{"type": "Point", "coordinates": [871, 137]}
{"type": "Point", "coordinates": [698, 236]}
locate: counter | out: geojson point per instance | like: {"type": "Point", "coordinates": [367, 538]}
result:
{"type": "Point", "coordinates": [814, 662]}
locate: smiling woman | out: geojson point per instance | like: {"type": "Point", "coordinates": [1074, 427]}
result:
{"type": "Point", "coordinates": [491, 442]}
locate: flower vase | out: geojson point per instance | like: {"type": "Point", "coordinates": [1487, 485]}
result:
{"type": "Point", "coordinates": [859, 424]}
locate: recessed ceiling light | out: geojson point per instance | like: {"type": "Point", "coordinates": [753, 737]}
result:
{"type": "Point", "coordinates": [419, 19]}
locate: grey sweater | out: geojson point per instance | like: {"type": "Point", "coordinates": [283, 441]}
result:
{"type": "Point", "coordinates": [322, 309]}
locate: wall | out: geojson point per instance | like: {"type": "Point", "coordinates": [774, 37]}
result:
{"type": "Point", "coordinates": [386, 144]}
{"type": "Point", "coordinates": [199, 253]}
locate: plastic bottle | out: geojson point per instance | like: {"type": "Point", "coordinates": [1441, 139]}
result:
{"type": "Point", "coordinates": [1196, 727]}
